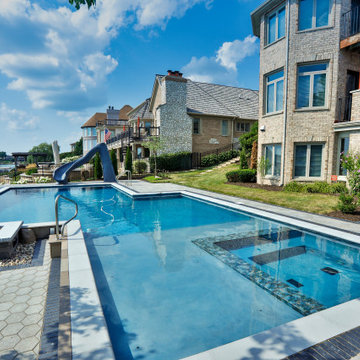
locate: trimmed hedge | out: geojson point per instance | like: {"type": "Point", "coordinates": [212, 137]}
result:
{"type": "Point", "coordinates": [242, 175]}
{"type": "Point", "coordinates": [215, 159]}
{"type": "Point", "coordinates": [318, 187]}
{"type": "Point", "coordinates": [172, 162]}
{"type": "Point", "coordinates": [140, 166]}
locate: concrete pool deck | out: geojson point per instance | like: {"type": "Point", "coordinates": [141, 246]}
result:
{"type": "Point", "coordinates": [276, 343]}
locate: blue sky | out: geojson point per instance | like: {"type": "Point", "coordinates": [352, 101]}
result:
{"type": "Point", "coordinates": [58, 66]}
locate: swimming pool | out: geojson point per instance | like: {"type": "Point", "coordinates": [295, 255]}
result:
{"type": "Point", "coordinates": [177, 276]}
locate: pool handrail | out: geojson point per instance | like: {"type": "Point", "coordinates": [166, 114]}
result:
{"type": "Point", "coordinates": [57, 215]}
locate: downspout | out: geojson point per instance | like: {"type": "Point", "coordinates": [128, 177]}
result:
{"type": "Point", "coordinates": [285, 91]}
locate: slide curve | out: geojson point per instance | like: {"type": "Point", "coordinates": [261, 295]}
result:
{"type": "Point", "coordinates": [61, 174]}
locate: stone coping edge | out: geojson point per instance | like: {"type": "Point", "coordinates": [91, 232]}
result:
{"type": "Point", "coordinates": [89, 334]}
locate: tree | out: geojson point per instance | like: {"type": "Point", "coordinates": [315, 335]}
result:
{"type": "Point", "coordinates": [97, 167]}
{"type": "Point", "coordinates": [78, 3]}
{"type": "Point", "coordinates": [154, 144]}
{"type": "Point", "coordinates": [41, 148]}
{"type": "Point", "coordinates": [78, 147]}
{"type": "Point", "coordinates": [247, 140]}
{"type": "Point", "coordinates": [128, 160]}
{"type": "Point", "coordinates": [114, 160]}
{"type": "Point", "coordinates": [2, 154]}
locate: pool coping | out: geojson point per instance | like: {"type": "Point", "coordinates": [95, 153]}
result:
{"type": "Point", "coordinates": [271, 344]}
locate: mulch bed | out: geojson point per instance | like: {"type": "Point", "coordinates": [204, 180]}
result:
{"type": "Point", "coordinates": [350, 217]}
{"type": "Point", "coordinates": [257, 186]}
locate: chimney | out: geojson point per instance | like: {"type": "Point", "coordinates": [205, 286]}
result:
{"type": "Point", "coordinates": [174, 73]}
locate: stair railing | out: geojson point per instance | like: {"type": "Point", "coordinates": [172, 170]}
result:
{"type": "Point", "coordinates": [57, 215]}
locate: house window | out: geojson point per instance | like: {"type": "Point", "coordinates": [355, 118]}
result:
{"type": "Point", "coordinates": [344, 149]}
{"type": "Point", "coordinates": [196, 126]}
{"type": "Point", "coordinates": [276, 25]}
{"type": "Point", "coordinates": [274, 92]}
{"type": "Point", "coordinates": [225, 128]}
{"type": "Point", "coordinates": [311, 86]}
{"type": "Point", "coordinates": [308, 160]}
{"type": "Point", "coordinates": [273, 159]}
{"type": "Point", "coordinates": [93, 131]}
{"type": "Point", "coordinates": [242, 126]}
{"type": "Point", "coordinates": [313, 13]}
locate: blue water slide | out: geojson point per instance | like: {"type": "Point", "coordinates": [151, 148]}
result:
{"type": "Point", "coordinates": [61, 174]}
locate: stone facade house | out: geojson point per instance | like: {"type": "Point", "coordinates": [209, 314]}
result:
{"type": "Point", "coordinates": [190, 116]}
{"type": "Point", "coordinates": [309, 73]}
{"type": "Point", "coordinates": [89, 133]}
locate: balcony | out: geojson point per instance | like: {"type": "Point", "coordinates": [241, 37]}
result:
{"type": "Point", "coordinates": [134, 135]}
{"type": "Point", "coordinates": [344, 109]}
{"type": "Point", "coordinates": [350, 36]}
{"type": "Point", "coordinates": [112, 122]}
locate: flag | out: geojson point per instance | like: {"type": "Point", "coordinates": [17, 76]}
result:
{"type": "Point", "coordinates": [124, 128]}
{"type": "Point", "coordinates": [107, 135]}
{"type": "Point", "coordinates": [138, 121]}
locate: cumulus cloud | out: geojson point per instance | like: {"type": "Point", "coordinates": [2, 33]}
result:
{"type": "Point", "coordinates": [221, 68]}
{"type": "Point", "coordinates": [58, 56]}
{"type": "Point", "coordinates": [16, 120]}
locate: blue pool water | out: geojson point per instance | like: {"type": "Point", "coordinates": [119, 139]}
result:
{"type": "Point", "coordinates": [163, 275]}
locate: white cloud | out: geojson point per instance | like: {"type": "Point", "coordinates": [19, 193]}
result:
{"type": "Point", "coordinates": [16, 120]}
{"type": "Point", "coordinates": [62, 61]}
{"type": "Point", "coordinates": [231, 53]}
{"type": "Point", "coordinates": [221, 68]}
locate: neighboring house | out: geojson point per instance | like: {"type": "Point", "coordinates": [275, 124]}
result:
{"type": "Point", "coordinates": [89, 131]}
{"type": "Point", "coordinates": [72, 147]}
{"type": "Point", "coordinates": [309, 69]}
{"type": "Point", "coordinates": [190, 116]}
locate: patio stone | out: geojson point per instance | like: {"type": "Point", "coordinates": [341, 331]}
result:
{"type": "Point", "coordinates": [23, 291]}
{"type": "Point", "coordinates": [2, 324]}
{"type": "Point", "coordinates": [29, 355]}
{"type": "Point", "coordinates": [32, 319]}
{"type": "Point", "coordinates": [35, 300]}
{"type": "Point", "coordinates": [5, 306]}
{"type": "Point", "coordinates": [26, 344]}
{"type": "Point", "coordinates": [21, 299]}
{"type": "Point", "coordinates": [8, 297]}
{"type": "Point", "coordinates": [34, 309]}
{"type": "Point", "coordinates": [8, 342]}
{"type": "Point", "coordinates": [11, 329]}
{"type": "Point", "coordinates": [19, 308]}
{"type": "Point", "coordinates": [29, 330]}
{"type": "Point", "coordinates": [9, 290]}
{"type": "Point", "coordinates": [15, 318]}
{"type": "Point", "coordinates": [8, 355]}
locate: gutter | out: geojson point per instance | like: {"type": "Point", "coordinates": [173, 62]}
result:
{"type": "Point", "coordinates": [286, 91]}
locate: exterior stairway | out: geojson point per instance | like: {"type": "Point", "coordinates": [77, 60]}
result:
{"type": "Point", "coordinates": [229, 162]}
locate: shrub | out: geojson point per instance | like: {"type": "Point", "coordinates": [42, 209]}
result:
{"type": "Point", "coordinates": [243, 160]}
{"type": "Point", "coordinates": [214, 159]}
{"type": "Point", "coordinates": [321, 187]}
{"type": "Point", "coordinates": [114, 160]}
{"type": "Point", "coordinates": [172, 162]}
{"type": "Point", "coordinates": [140, 166]}
{"type": "Point", "coordinates": [294, 186]}
{"type": "Point", "coordinates": [30, 171]}
{"type": "Point", "coordinates": [338, 188]}
{"type": "Point", "coordinates": [242, 175]}
{"type": "Point", "coordinates": [128, 160]}
{"type": "Point", "coordinates": [347, 203]}
{"type": "Point", "coordinates": [97, 167]}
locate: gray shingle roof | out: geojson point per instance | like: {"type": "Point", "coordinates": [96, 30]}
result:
{"type": "Point", "coordinates": [203, 98]}
{"type": "Point", "coordinates": [141, 111]}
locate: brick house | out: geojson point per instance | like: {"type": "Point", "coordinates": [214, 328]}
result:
{"type": "Point", "coordinates": [189, 116]}
{"type": "Point", "coordinates": [309, 73]}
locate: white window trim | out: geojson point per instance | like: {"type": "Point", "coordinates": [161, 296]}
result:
{"type": "Point", "coordinates": [238, 126]}
{"type": "Point", "coordinates": [311, 94]}
{"type": "Point", "coordinates": [272, 175]}
{"type": "Point", "coordinates": [307, 166]}
{"type": "Point", "coordinates": [267, 83]}
{"type": "Point", "coordinates": [313, 19]}
{"type": "Point", "coordinates": [276, 12]}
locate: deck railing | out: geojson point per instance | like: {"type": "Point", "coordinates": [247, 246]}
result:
{"type": "Point", "coordinates": [137, 134]}
{"type": "Point", "coordinates": [344, 108]}
{"type": "Point", "coordinates": [351, 22]}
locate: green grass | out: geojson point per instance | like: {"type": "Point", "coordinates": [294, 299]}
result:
{"type": "Point", "coordinates": [216, 181]}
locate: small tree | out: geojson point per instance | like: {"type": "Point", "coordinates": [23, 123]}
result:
{"type": "Point", "coordinates": [254, 154]}
{"type": "Point", "coordinates": [154, 144]}
{"type": "Point", "coordinates": [243, 160]}
{"type": "Point", "coordinates": [128, 160]}
{"type": "Point", "coordinates": [78, 3]}
{"type": "Point", "coordinates": [79, 147]}
{"type": "Point", "coordinates": [247, 140]}
{"type": "Point", "coordinates": [97, 167]}
{"type": "Point", "coordinates": [114, 160]}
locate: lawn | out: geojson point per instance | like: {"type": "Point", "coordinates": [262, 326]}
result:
{"type": "Point", "coordinates": [216, 181]}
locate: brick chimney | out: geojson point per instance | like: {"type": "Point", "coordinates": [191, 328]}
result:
{"type": "Point", "coordinates": [174, 73]}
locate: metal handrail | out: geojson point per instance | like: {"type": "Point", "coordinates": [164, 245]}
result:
{"type": "Point", "coordinates": [129, 175]}
{"type": "Point", "coordinates": [57, 215]}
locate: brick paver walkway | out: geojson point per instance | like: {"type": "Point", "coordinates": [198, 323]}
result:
{"type": "Point", "coordinates": [22, 301]}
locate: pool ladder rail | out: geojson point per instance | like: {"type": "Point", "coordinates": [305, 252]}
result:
{"type": "Point", "coordinates": [57, 215]}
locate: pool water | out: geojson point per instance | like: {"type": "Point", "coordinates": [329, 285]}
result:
{"type": "Point", "coordinates": [163, 296]}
